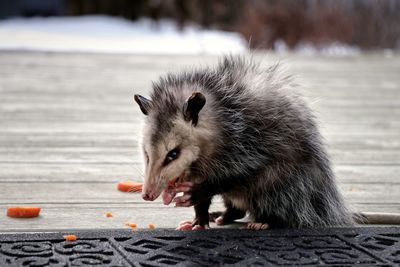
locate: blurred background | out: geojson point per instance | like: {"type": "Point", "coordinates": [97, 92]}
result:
{"type": "Point", "coordinates": [328, 26]}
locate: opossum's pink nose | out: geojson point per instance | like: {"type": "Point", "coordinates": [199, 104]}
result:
{"type": "Point", "coordinates": [148, 196]}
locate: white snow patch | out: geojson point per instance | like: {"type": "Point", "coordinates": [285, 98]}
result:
{"type": "Point", "coordinates": [114, 35]}
{"type": "Point", "coordinates": [306, 48]}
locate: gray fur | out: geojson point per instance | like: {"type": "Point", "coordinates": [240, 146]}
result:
{"type": "Point", "coordinates": [269, 158]}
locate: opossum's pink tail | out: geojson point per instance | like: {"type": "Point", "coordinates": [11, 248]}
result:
{"type": "Point", "coordinates": [377, 218]}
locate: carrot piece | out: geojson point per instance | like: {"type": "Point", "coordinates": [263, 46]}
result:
{"type": "Point", "coordinates": [109, 214]}
{"type": "Point", "coordinates": [132, 225]}
{"type": "Point", "coordinates": [172, 182]}
{"type": "Point", "coordinates": [150, 226]}
{"type": "Point", "coordinates": [130, 186]}
{"type": "Point", "coordinates": [23, 212]}
{"type": "Point", "coordinates": [70, 237]}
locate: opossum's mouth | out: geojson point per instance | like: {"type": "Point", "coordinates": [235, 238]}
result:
{"type": "Point", "coordinates": [168, 193]}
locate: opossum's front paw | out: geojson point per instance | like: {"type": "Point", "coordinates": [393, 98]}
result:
{"type": "Point", "coordinates": [192, 225]}
{"type": "Point", "coordinates": [186, 199]}
{"type": "Point", "coordinates": [257, 226]}
{"type": "Point", "coordinates": [168, 195]}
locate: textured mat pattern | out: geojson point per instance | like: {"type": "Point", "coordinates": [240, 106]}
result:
{"type": "Point", "coordinates": [331, 247]}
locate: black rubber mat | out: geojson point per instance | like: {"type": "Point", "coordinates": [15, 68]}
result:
{"type": "Point", "coordinates": [328, 247]}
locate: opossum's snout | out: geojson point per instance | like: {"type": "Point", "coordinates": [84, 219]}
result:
{"type": "Point", "coordinates": [150, 191]}
{"type": "Point", "coordinates": [149, 196]}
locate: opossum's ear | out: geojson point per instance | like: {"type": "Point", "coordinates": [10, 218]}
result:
{"type": "Point", "coordinates": [143, 103]}
{"type": "Point", "coordinates": [192, 107]}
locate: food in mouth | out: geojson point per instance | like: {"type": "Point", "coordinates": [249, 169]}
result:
{"type": "Point", "coordinates": [168, 193]}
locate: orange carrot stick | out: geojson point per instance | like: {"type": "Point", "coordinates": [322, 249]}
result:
{"type": "Point", "coordinates": [23, 212]}
{"type": "Point", "coordinates": [132, 225]}
{"type": "Point", "coordinates": [130, 186]}
{"type": "Point", "coordinates": [70, 237]}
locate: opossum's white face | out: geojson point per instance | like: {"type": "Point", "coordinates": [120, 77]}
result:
{"type": "Point", "coordinates": [170, 158]}
{"type": "Point", "coordinates": [169, 154]}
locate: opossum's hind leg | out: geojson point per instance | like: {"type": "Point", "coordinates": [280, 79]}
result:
{"type": "Point", "coordinates": [228, 216]}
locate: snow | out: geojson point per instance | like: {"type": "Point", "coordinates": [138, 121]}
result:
{"type": "Point", "coordinates": [114, 35]}
{"type": "Point", "coordinates": [105, 34]}
{"type": "Point", "coordinates": [306, 48]}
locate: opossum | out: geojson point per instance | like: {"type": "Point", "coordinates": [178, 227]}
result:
{"type": "Point", "coordinates": [244, 132]}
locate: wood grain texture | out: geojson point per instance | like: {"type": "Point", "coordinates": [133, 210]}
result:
{"type": "Point", "coordinates": [69, 130]}
{"type": "Point", "coordinates": [102, 193]}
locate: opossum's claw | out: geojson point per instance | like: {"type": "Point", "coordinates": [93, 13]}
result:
{"type": "Point", "coordinates": [172, 189]}
{"type": "Point", "coordinates": [184, 226]}
{"type": "Point", "coordinates": [168, 195]}
{"type": "Point", "coordinates": [183, 201]}
{"type": "Point", "coordinates": [189, 225]}
{"type": "Point", "coordinates": [199, 227]}
{"type": "Point", "coordinates": [186, 199]}
{"type": "Point", "coordinates": [183, 187]}
{"type": "Point", "coordinates": [220, 220]}
{"type": "Point", "coordinates": [257, 226]}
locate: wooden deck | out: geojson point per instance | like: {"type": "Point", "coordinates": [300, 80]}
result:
{"type": "Point", "coordinates": [68, 133]}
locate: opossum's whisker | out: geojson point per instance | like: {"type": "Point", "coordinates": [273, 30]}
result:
{"type": "Point", "coordinates": [139, 171]}
{"type": "Point", "coordinates": [134, 166]}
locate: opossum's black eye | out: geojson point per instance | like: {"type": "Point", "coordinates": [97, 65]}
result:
{"type": "Point", "coordinates": [147, 157]}
{"type": "Point", "coordinates": [172, 155]}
